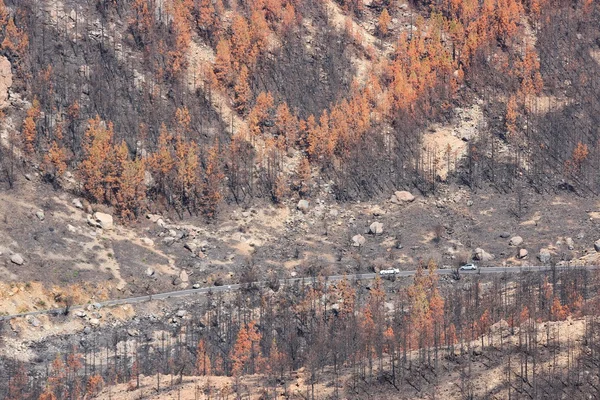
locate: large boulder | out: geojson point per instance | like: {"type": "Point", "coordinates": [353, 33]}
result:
{"type": "Point", "coordinates": [100, 220]}
{"type": "Point", "coordinates": [376, 228]}
{"type": "Point", "coordinates": [104, 220]}
{"type": "Point", "coordinates": [358, 240]}
{"type": "Point", "coordinates": [41, 215]}
{"type": "Point", "coordinates": [77, 203]}
{"type": "Point", "coordinates": [523, 253]}
{"type": "Point", "coordinates": [481, 255]}
{"type": "Point", "coordinates": [17, 259]}
{"type": "Point", "coordinates": [515, 241]}
{"type": "Point", "coordinates": [302, 205]}
{"type": "Point", "coordinates": [597, 245]}
{"type": "Point", "coordinates": [570, 243]}
{"type": "Point", "coordinates": [544, 256]}
{"type": "Point", "coordinates": [402, 196]}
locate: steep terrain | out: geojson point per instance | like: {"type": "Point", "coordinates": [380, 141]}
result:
{"type": "Point", "coordinates": [148, 146]}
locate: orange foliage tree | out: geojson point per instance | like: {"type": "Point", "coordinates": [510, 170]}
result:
{"type": "Point", "coordinates": [97, 168]}
{"type": "Point", "coordinates": [211, 185]}
{"type": "Point", "coordinates": [29, 130]}
{"type": "Point", "coordinates": [384, 22]}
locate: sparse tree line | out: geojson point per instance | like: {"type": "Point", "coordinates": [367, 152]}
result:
{"type": "Point", "coordinates": [348, 336]}
{"type": "Point", "coordinates": [366, 142]}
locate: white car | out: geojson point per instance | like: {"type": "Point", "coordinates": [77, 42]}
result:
{"type": "Point", "coordinates": [469, 267]}
{"type": "Point", "coordinates": [391, 271]}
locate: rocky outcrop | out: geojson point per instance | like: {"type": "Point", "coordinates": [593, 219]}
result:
{"type": "Point", "coordinates": [5, 81]}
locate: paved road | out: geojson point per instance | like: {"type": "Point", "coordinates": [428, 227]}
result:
{"type": "Point", "coordinates": [333, 278]}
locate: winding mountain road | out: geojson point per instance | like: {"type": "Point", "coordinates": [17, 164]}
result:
{"type": "Point", "coordinates": [332, 278]}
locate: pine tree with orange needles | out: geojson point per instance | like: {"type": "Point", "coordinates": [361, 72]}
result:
{"type": "Point", "coordinates": [206, 15]}
{"type": "Point", "coordinates": [181, 11]}
{"type": "Point", "coordinates": [94, 385]}
{"type": "Point", "coordinates": [211, 186]}
{"type": "Point", "coordinates": [3, 13]}
{"type": "Point", "coordinates": [29, 130]}
{"type": "Point", "coordinates": [384, 22]}
{"type": "Point", "coordinates": [47, 395]}
{"type": "Point", "coordinates": [241, 351]}
{"type": "Point", "coordinates": [286, 124]}
{"type": "Point", "coordinates": [242, 91]}
{"type": "Point", "coordinates": [223, 64]}
{"type": "Point", "coordinates": [304, 177]}
{"type": "Point", "coordinates": [130, 188]}
{"type": "Point", "coordinates": [202, 359]}
{"type": "Point", "coordinates": [558, 311]}
{"type": "Point", "coordinates": [97, 168]}
{"type": "Point", "coordinates": [260, 113]}
{"type": "Point", "coordinates": [15, 40]}
{"type": "Point", "coordinates": [240, 40]}
{"type": "Point", "coordinates": [55, 164]}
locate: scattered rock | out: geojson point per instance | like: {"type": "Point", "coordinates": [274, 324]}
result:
{"type": "Point", "coordinates": [176, 281]}
{"type": "Point", "coordinates": [469, 203]}
{"type": "Point", "coordinates": [41, 215]}
{"type": "Point", "coordinates": [597, 245]}
{"type": "Point", "coordinates": [92, 222]}
{"type": "Point", "coordinates": [403, 196]}
{"type": "Point", "coordinates": [482, 255]}
{"type": "Point", "coordinates": [505, 235]}
{"type": "Point", "coordinates": [358, 240]}
{"type": "Point", "coordinates": [148, 242]}
{"type": "Point", "coordinates": [523, 253]}
{"type": "Point", "coordinates": [153, 218]}
{"type": "Point", "coordinates": [33, 321]}
{"type": "Point", "coordinates": [71, 228]}
{"type": "Point", "coordinates": [376, 228]}
{"type": "Point", "coordinates": [377, 211]}
{"type": "Point", "coordinates": [132, 332]}
{"type": "Point", "coordinates": [161, 223]}
{"type": "Point", "coordinates": [17, 259]}
{"type": "Point", "coordinates": [149, 272]}
{"type": "Point", "coordinates": [196, 286]}
{"type": "Point", "coordinates": [181, 313]}
{"type": "Point", "coordinates": [169, 240]}
{"type": "Point", "coordinates": [515, 241]}
{"type": "Point", "coordinates": [570, 244]}
{"type": "Point", "coordinates": [302, 205]}
{"type": "Point", "coordinates": [77, 203]}
{"type": "Point", "coordinates": [87, 330]}
{"type": "Point", "coordinates": [80, 314]}
{"type": "Point", "coordinates": [184, 276]}
{"type": "Point", "coordinates": [94, 321]}
{"type": "Point", "coordinates": [544, 256]}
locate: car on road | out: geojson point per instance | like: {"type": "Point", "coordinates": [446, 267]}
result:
{"type": "Point", "coordinates": [468, 267]}
{"type": "Point", "coordinates": [389, 271]}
